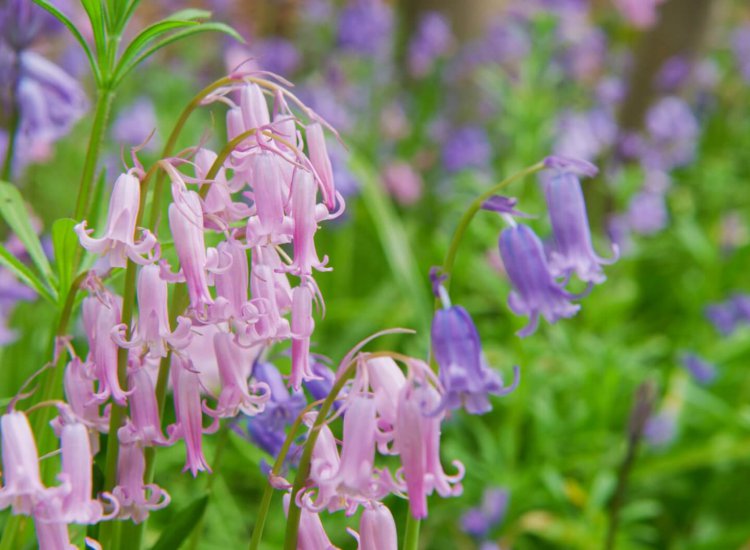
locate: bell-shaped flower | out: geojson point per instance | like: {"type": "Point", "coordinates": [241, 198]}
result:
{"type": "Point", "coordinates": [271, 295]}
{"type": "Point", "coordinates": [312, 535]}
{"type": "Point", "coordinates": [72, 503]}
{"type": "Point", "coordinates": [386, 380]}
{"type": "Point", "coordinates": [323, 379]}
{"type": "Point", "coordinates": [22, 484]}
{"type": "Point", "coordinates": [573, 251]}
{"type": "Point", "coordinates": [235, 394]}
{"type": "Point", "coordinates": [78, 382]}
{"type": "Point", "coordinates": [268, 225]}
{"type": "Point", "coordinates": [253, 107]}
{"type": "Point", "coordinates": [136, 499]}
{"type": "Point", "coordinates": [302, 328]}
{"type": "Point", "coordinates": [118, 241]}
{"type": "Point", "coordinates": [153, 330]}
{"type": "Point", "coordinates": [232, 285]}
{"type": "Point", "coordinates": [321, 162]}
{"type": "Point", "coordinates": [377, 528]}
{"type": "Point", "coordinates": [466, 378]}
{"type": "Point", "coordinates": [535, 290]}
{"type": "Point", "coordinates": [186, 224]}
{"type": "Point", "coordinates": [144, 425]}
{"type": "Point", "coordinates": [53, 536]}
{"type": "Point", "coordinates": [219, 209]}
{"type": "Point", "coordinates": [324, 467]}
{"type": "Point", "coordinates": [101, 319]}
{"type": "Point", "coordinates": [189, 415]}
{"type": "Point", "coordinates": [304, 214]}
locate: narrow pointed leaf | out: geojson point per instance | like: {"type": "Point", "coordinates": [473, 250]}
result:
{"type": "Point", "coordinates": [149, 34]}
{"type": "Point", "coordinates": [65, 244]}
{"type": "Point", "coordinates": [95, 13]}
{"type": "Point", "coordinates": [24, 274]}
{"type": "Point", "coordinates": [60, 16]}
{"type": "Point", "coordinates": [13, 211]}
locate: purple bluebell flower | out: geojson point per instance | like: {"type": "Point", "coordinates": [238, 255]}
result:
{"type": "Point", "coordinates": [573, 251]}
{"type": "Point", "coordinates": [268, 429]}
{"type": "Point", "coordinates": [703, 371]}
{"type": "Point", "coordinates": [503, 205]}
{"type": "Point", "coordinates": [673, 132]}
{"type": "Point", "coordinates": [741, 49]}
{"type": "Point", "coordinates": [366, 27]}
{"type": "Point", "coordinates": [661, 429]}
{"type": "Point", "coordinates": [277, 55]}
{"type": "Point", "coordinates": [466, 377]}
{"type": "Point", "coordinates": [20, 23]}
{"type": "Point", "coordinates": [136, 123]}
{"type": "Point", "coordinates": [722, 316]}
{"type": "Point", "coordinates": [585, 135]}
{"type": "Point", "coordinates": [467, 147]}
{"type": "Point", "coordinates": [647, 213]}
{"type": "Point", "coordinates": [673, 73]}
{"type": "Point", "coordinates": [321, 386]}
{"type": "Point", "coordinates": [432, 40]}
{"type": "Point", "coordinates": [535, 290]}
{"type": "Point", "coordinates": [479, 521]}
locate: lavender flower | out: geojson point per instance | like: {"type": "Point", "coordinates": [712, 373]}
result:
{"type": "Point", "coordinates": [479, 521]}
{"type": "Point", "coordinates": [703, 371]}
{"type": "Point", "coordinates": [661, 429]}
{"type": "Point", "coordinates": [647, 213]}
{"type": "Point", "coordinates": [277, 55]}
{"type": "Point", "coordinates": [467, 147]}
{"type": "Point", "coordinates": [673, 132]}
{"type": "Point", "coordinates": [573, 251]}
{"type": "Point", "coordinates": [465, 376]}
{"type": "Point", "coordinates": [136, 123]}
{"type": "Point", "coordinates": [432, 40]}
{"type": "Point", "coordinates": [366, 27]}
{"type": "Point", "coordinates": [726, 316]}
{"type": "Point", "coordinates": [741, 49]}
{"type": "Point", "coordinates": [535, 290]}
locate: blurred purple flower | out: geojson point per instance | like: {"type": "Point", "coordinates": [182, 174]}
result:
{"type": "Point", "coordinates": [660, 429]}
{"type": "Point", "coordinates": [673, 133]}
{"type": "Point", "coordinates": [585, 135]}
{"type": "Point", "coordinates": [135, 124]}
{"type": "Point", "coordinates": [673, 73]}
{"type": "Point", "coordinates": [403, 182]}
{"type": "Point", "coordinates": [741, 49]}
{"type": "Point", "coordinates": [479, 521]}
{"type": "Point", "coordinates": [647, 213]}
{"type": "Point", "coordinates": [640, 13]}
{"type": "Point", "coordinates": [432, 40]}
{"type": "Point", "coordinates": [725, 316]}
{"type": "Point", "coordinates": [366, 27]}
{"type": "Point", "coordinates": [277, 55]}
{"type": "Point", "coordinates": [703, 371]}
{"type": "Point", "coordinates": [466, 147]}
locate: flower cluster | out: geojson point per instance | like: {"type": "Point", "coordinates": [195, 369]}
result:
{"type": "Point", "coordinates": [242, 226]}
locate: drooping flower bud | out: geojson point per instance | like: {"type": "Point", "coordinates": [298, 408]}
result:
{"type": "Point", "coordinates": [22, 483]}
{"type": "Point", "coordinates": [321, 162]}
{"type": "Point", "coordinates": [377, 529]}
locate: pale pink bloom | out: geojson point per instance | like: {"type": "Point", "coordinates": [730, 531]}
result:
{"type": "Point", "coordinates": [253, 107]}
{"type": "Point", "coordinates": [403, 182]}
{"type": "Point", "coordinates": [188, 413]}
{"type": "Point", "coordinates": [232, 285]}
{"type": "Point", "coordinates": [311, 534]}
{"type": "Point", "coordinates": [641, 13]}
{"type": "Point", "coordinates": [302, 328]}
{"type": "Point", "coordinates": [321, 162]}
{"type": "Point", "coordinates": [377, 529]}
{"type": "Point", "coordinates": [136, 499]}
{"type": "Point", "coordinates": [218, 207]}
{"type": "Point", "coordinates": [386, 380]}
{"type": "Point", "coordinates": [324, 464]}
{"type": "Point", "coordinates": [272, 295]}
{"type": "Point", "coordinates": [153, 330]}
{"type": "Point", "coordinates": [268, 225]}
{"type": "Point", "coordinates": [78, 382]}
{"type": "Point", "coordinates": [235, 394]}
{"type": "Point", "coordinates": [22, 484]}
{"type": "Point", "coordinates": [186, 224]}
{"type": "Point", "coordinates": [72, 502]}
{"type": "Point", "coordinates": [118, 242]}
{"type": "Point", "coordinates": [203, 358]}
{"type": "Point", "coordinates": [53, 536]}
{"type": "Point", "coordinates": [304, 214]}
{"type": "Point", "coordinates": [101, 317]}
{"type": "Point", "coordinates": [144, 425]}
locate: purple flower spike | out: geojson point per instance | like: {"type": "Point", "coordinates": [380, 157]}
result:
{"type": "Point", "coordinates": [573, 251]}
{"type": "Point", "coordinates": [463, 372]}
{"type": "Point", "coordinates": [536, 291]}
{"type": "Point", "coordinates": [503, 205]}
{"type": "Point", "coordinates": [480, 520]}
{"type": "Point", "coordinates": [703, 371]}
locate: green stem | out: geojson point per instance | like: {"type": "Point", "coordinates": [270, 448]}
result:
{"type": "Point", "coordinates": [411, 534]}
{"type": "Point", "coordinates": [101, 117]}
{"type": "Point", "coordinates": [293, 517]}
{"type": "Point", "coordinates": [474, 207]}
{"type": "Point", "coordinates": [15, 121]}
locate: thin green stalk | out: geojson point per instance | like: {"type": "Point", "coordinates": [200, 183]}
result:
{"type": "Point", "coordinates": [474, 207]}
{"type": "Point", "coordinates": [14, 123]}
{"type": "Point", "coordinates": [104, 100]}
{"type": "Point", "coordinates": [293, 516]}
{"type": "Point", "coordinates": [411, 533]}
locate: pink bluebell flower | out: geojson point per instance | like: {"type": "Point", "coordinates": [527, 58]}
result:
{"type": "Point", "coordinates": [22, 486]}
{"type": "Point", "coordinates": [377, 529]}
{"type": "Point", "coordinates": [135, 498]}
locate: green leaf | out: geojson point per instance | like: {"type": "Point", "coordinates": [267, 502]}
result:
{"type": "Point", "coordinates": [124, 68]}
{"type": "Point", "coordinates": [95, 13]}
{"type": "Point", "coordinates": [60, 16]}
{"type": "Point", "coordinates": [65, 244]}
{"type": "Point", "coordinates": [24, 274]}
{"type": "Point", "coordinates": [189, 14]}
{"type": "Point", "coordinates": [13, 210]}
{"type": "Point", "coordinates": [149, 34]}
{"type": "Point", "coordinates": [182, 525]}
